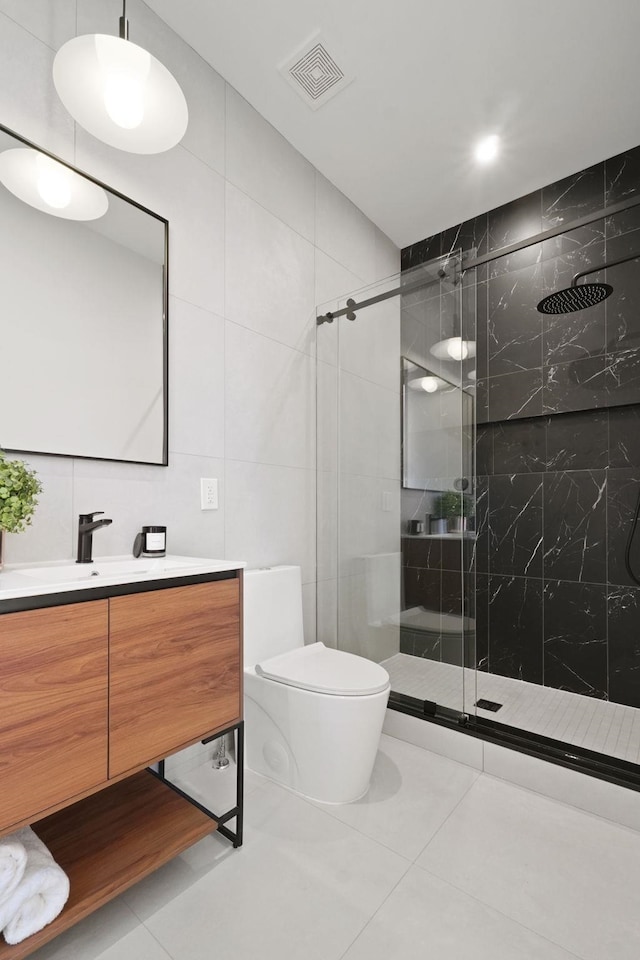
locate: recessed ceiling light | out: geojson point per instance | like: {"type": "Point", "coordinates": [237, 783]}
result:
{"type": "Point", "coordinates": [487, 149]}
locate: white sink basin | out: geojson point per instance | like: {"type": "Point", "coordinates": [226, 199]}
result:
{"type": "Point", "coordinates": [106, 567]}
{"type": "Point", "coordinates": [28, 580]}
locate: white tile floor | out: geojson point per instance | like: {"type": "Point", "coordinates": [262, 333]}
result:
{"type": "Point", "coordinates": [599, 725]}
{"type": "Point", "coordinates": [438, 861]}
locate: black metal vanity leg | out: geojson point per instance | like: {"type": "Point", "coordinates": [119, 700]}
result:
{"type": "Point", "coordinates": [239, 783]}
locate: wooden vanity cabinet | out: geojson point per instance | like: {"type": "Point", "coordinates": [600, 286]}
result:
{"type": "Point", "coordinates": [53, 707]}
{"type": "Point", "coordinates": [91, 693]}
{"type": "Point", "coordinates": [174, 670]}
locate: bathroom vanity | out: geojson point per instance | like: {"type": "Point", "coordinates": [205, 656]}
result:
{"type": "Point", "coordinates": [104, 673]}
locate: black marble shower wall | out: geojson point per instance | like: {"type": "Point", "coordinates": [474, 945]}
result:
{"type": "Point", "coordinates": [558, 438]}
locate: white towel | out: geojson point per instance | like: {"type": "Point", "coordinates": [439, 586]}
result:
{"type": "Point", "coordinates": [13, 860]}
{"type": "Point", "coordinates": [40, 895]}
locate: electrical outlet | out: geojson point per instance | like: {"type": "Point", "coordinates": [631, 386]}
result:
{"type": "Point", "coordinates": [208, 493]}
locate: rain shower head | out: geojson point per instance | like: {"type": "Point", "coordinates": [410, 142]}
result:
{"type": "Point", "coordinates": [575, 298]}
{"type": "Point", "coordinates": [579, 297]}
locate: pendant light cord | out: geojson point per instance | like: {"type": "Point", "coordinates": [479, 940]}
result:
{"type": "Point", "coordinates": [632, 533]}
{"type": "Point", "coordinates": [124, 23]}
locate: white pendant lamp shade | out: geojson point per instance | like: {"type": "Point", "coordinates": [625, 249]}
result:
{"type": "Point", "coordinates": [49, 186]}
{"type": "Point", "coordinates": [454, 348]}
{"type": "Point", "coordinates": [429, 384]}
{"type": "Point", "coordinates": [120, 93]}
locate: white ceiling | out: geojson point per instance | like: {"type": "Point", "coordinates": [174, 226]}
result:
{"type": "Point", "coordinates": [559, 80]}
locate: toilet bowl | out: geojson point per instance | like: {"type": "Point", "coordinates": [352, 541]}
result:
{"type": "Point", "coordinates": [313, 715]}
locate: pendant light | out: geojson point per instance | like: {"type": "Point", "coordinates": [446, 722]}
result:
{"type": "Point", "coordinates": [453, 348]}
{"type": "Point", "coordinates": [119, 92]}
{"type": "Point", "coordinates": [50, 186]}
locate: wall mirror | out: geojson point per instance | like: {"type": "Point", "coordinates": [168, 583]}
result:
{"type": "Point", "coordinates": [83, 325]}
{"type": "Point", "coordinates": [437, 417]}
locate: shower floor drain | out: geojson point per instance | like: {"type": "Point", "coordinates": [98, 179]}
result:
{"type": "Point", "coordinates": [488, 705]}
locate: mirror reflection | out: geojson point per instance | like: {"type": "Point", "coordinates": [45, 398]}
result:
{"type": "Point", "coordinates": [83, 321]}
{"type": "Point", "coordinates": [435, 413]}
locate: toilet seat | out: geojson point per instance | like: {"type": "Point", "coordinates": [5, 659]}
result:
{"type": "Point", "coordinates": [322, 669]}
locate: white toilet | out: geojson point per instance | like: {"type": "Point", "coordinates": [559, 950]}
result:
{"type": "Point", "coordinates": [313, 714]}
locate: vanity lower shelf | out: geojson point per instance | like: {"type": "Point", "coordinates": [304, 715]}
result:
{"type": "Point", "coordinates": [111, 840]}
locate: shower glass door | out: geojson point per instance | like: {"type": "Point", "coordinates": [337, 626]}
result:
{"type": "Point", "coordinates": [395, 417]}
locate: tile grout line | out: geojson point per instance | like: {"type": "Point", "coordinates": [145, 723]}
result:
{"type": "Point", "coordinates": [376, 911]}
{"type": "Point", "coordinates": [489, 906]}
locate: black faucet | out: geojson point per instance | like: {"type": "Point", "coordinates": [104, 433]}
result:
{"type": "Point", "coordinates": [86, 526]}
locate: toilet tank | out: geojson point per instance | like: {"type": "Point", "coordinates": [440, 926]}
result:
{"type": "Point", "coordinates": [272, 612]}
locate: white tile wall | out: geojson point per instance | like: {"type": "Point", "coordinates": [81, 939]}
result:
{"type": "Point", "coordinates": [257, 238]}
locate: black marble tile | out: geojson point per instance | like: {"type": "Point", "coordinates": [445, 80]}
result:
{"type": "Point", "coordinates": [469, 236]}
{"type": "Point", "coordinates": [484, 449]}
{"type": "Point", "coordinates": [514, 324]}
{"type": "Point", "coordinates": [622, 222]}
{"type": "Point", "coordinates": [421, 588]}
{"type": "Point", "coordinates": [452, 649]}
{"type": "Point", "coordinates": [576, 336]}
{"type": "Point", "coordinates": [624, 437]}
{"type": "Point", "coordinates": [519, 446]}
{"type": "Point", "coordinates": [420, 252]}
{"type": "Point", "coordinates": [575, 250]}
{"type": "Point", "coordinates": [575, 517]}
{"type": "Point", "coordinates": [482, 401]}
{"type": "Point", "coordinates": [575, 637]}
{"type": "Point", "coordinates": [623, 490]}
{"type": "Point", "coordinates": [469, 308]}
{"type": "Point", "coordinates": [482, 525]}
{"type": "Point", "coordinates": [514, 396]}
{"type": "Point", "coordinates": [420, 643]}
{"type": "Point", "coordinates": [624, 645]}
{"type": "Point", "coordinates": [452, 555]}
{"type": "Point", "coordinates": [515, 627]}
{"type": "Point", "coordinates": [482, 330]}
{"type": "Point", "coordinates": [622, 378]}
{"type": "Point", "coordinates": [482, 621]}
{"type": "Point", "coordinates": [451, 597]}
{"type": "Point", "coordinates": [511, 223]}
{"type": "Point", "coordinates": [515, 525]}
{"type": "Point", "coordinates": [422, 552]}
{"type": "Point", "coordinates": [573, 197]}
{"type": "Point", "coordinates": [576, 385]}
{"type": "Point", "coordinates": [623, 306]}
{"type": "Point", "coordinates": [578, 441]}
{"type": "Point", "coordinates": [622, 176]}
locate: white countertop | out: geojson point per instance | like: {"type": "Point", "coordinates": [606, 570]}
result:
{"type": "Point", "coordinates": [36, 579]}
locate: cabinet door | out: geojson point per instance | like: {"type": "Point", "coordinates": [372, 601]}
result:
{"type": "Point", "coordinates": [174, 670]}
{"type": "Point", "coordinates": [53, 706]}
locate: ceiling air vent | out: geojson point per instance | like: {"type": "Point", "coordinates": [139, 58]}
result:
{"type": "Point", "coordinates": [314, 74]}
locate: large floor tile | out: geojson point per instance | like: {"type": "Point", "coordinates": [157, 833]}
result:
{"type": "Point", "coordinates": [425, 917]}
{"type": "Point", "coordinates": [303, 885]}
{"type": "Point", "coordinates": [170, 881]}
{"type": "Point", "coordinates": [100, 933]}
{"type": "Point", "coordinates": [412, 793]}
{"type": "Point", "coordinates": [137, 945]}
{"type": "Point", "coordinates": [567, 875]}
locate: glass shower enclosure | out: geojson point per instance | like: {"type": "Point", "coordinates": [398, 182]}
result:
{"type": "Point", "coordinates": [396, 501]}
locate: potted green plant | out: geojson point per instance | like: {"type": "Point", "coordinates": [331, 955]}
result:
{"type": "Point", "coordinates": [456, 508]}
{"type": "Point", "coordinates": [19, 489]}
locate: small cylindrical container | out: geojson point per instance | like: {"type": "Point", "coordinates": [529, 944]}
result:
{"type": "Point", "coordinates": [154, 541]}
